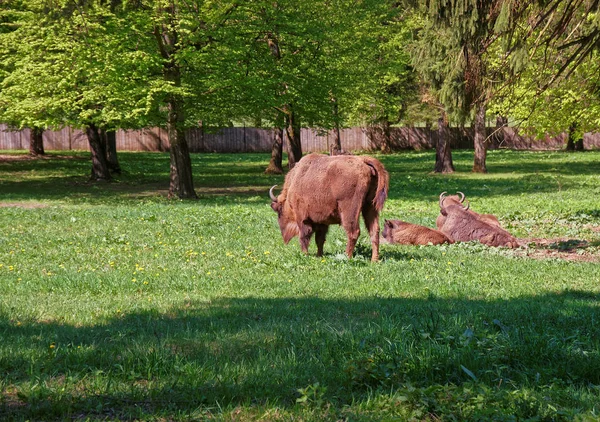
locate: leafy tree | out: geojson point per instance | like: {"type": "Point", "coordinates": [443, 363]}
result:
{"type": "Point", "coordinates": [64, 66]}
{"type": "Point", "coordinates": [287, 76]}
{"type": "Point", "coordinates": [383, 87]}
{"type": "Point", "coordinates": [570, 104]}
{"type": "Point", "coordinates": [467, 46]}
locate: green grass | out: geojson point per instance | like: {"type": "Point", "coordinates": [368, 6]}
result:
{"type": "Point", "coordinates": [118, 304]}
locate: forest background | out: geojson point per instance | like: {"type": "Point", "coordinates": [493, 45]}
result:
{"type": "Point", "coordinates": [100, 66]}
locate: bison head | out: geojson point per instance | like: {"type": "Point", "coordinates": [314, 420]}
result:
{"type": "Point", "coordinates": [388, 227]}
{"type": "Point", "coordinates": [446, 201]}
{"type": "Point", "coordinates": [285, 217]}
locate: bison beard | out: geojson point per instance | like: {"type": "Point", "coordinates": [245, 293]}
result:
{"type": "Point", "coordinates": [403, 233]}
{"type": "Point", "coordinates": [322, 190]}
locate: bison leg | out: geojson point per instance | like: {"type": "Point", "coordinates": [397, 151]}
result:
{"type": "Point", "coordinates": [320, 234]}
{"type": "Point", "coordinates": [306, 231]}
{"type": "Point", "coordinates": [352, 231]}
{"type": "Point", "coordinates": [371, 217]}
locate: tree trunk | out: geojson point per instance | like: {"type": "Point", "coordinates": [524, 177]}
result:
{"type": "Point", "coordinates": [167, 38]}
{"type": "Point", "coordinates": [292, 131]}
{"type": "Point", "coordinates": [571, 137]}
{"type": "Point", "coordinates": [501, 121]}
{"type": "Point", "coordinates": [181, 181]}
{"type": "Point", "coordinates": [574, 142]}
{"type": "Point", "coordinates": [386, 143]}
{"type": "Point", "coordinates": [443, 152]}
{"type": "Point", "coordinates": [97, 143]}
{"type": "Point", "coordinates": [36, 141]}
{"type": "Point", "coordinates": [276, 163]}
{"type": "Point", "coordinates": [336, 147]}
{"type": "Point", "coordinates": [110, 137]}
{"type": "Point", "coordinates": [479, 141]}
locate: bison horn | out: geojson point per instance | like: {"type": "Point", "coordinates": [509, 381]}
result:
{"type": "Point", "coordinates": [462, 197]}
{"type": "Point", "coordinates": [442, 198]}
{"type": "Point", "coordinates": [468, 205]}
{"type": "Point", "coordinates": [273, 197]}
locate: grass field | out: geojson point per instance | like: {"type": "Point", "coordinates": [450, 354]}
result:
{"type": "Point", "coordinates": [118, 304]}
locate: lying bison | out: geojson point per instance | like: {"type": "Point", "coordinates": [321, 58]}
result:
{"type": "Point", "coordinates": [461, 224]}
{"type": "Point", "coordinates": [403, 233]}
{"type": "Point", "coordinates": [322, 190]}
{"type": "Point", "coordinates": [460, 199]}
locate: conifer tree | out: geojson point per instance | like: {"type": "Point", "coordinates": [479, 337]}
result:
{"type": "Point", "coordinates": [469, 50]}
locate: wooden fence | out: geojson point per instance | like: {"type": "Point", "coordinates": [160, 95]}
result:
{"type": "Point", "coordinates": [246, 139]}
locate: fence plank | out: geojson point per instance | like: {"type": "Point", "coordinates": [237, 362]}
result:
{"type": "Point", "coordinates": [248, 139]}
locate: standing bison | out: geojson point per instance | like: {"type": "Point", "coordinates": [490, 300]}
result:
{"type": "Point", "coordinates": [321, 190]}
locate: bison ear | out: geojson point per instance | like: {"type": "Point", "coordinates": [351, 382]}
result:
{"type": "Point", "coordinates": [276, 206]}
{"type": "Point", "coordinates": [388, 223]}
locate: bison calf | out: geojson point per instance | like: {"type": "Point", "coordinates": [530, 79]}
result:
{"type": "Point", "coordinates": [403, 233]}
{"type": "Point", "coordinates": [321, 190]}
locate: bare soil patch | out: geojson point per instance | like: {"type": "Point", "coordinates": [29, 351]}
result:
{"type": "Point", "coordinates": [27, 205]}
{"type": "Point", "coordinates": [561, 248]}
{"type": "Point", "coordinates": [7, 158]}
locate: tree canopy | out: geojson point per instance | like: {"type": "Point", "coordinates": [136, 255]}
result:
{"type": "Point", "coordinates": [181, 63]}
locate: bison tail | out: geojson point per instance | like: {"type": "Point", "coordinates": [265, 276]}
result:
{"type": "Point", "coordinates": [383, 182]}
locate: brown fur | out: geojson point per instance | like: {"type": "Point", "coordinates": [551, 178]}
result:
{"type": "Point", "coordinates": [322, 190]}
{"type": "Point", "coordinates": [456, 200]}
{"type": "Point", "coordinates": [403, 233]}
{"type": "Point", "coordinates": [462, 226]}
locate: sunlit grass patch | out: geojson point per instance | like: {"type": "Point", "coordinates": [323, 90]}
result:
{"type": "Point", "coordinates": [121, 305]}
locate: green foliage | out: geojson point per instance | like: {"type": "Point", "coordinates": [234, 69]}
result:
{"type": "Point", "coordinates": [572, 101]}
{"type": "Point", "coordinates": [384, 86]}
{"type": "Point", "coordinates": [74, 67]}
{"type": "Point", "coordinates": [119, 304]}
{"type": "Point", "coordinates": [102, 62]}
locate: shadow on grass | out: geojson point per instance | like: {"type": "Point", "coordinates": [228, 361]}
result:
{"type": "Point", "coordinates": [244, 351]}
{"type": "Point", "coordinates": [59, 177]}
{"type": "Point", "coordinates": [146, 175]}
